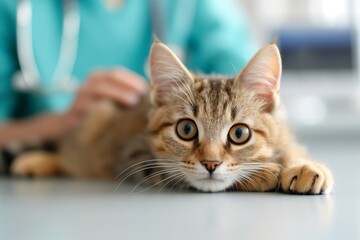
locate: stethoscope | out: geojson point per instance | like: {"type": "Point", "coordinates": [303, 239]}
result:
{"type": "Point", "coordinates": [28, 78]}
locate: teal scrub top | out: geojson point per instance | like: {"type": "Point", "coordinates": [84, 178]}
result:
{"type": "Point", "coordinates": [213, 34]}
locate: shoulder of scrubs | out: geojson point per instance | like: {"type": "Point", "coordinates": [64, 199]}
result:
{"type": "Point", "coordinates": [8, 59]}
{"type": "Point", "coordinates": [221, 41]}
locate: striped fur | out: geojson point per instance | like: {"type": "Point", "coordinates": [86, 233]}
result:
{"type": "Point", "coordinates": [142, 144]}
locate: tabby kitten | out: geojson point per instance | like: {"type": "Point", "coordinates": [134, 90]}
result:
{"type": "Point", "coordinates": [209, 132]}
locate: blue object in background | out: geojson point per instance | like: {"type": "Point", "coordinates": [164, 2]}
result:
{"type": "Point", "coordinates": [316, 48]}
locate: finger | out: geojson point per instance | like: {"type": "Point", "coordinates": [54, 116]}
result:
{"type": "Point", "coordinates": [123, 78]}
{"type": "Point", "coordinates": [124, 81]}
{"type": "Point", "coordinates": [119, 95]}
{"type": "Point", "coordinates": [82, 105]}
{"type": "Point", "coordinates": [95, 76]}
{"type": "Point", "coordinates": [120, 85]}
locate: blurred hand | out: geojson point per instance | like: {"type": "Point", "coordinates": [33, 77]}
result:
{"type": "Point", "coordinates": [122, 86]}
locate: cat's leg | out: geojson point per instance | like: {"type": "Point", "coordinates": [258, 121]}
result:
{"type": "Point", "coordinates": [264, 180]}
{"type": "Point", "coordinates": [37, 164]}
{"type": "Point", "coordinates": [44, 164]}
{"type": "Point", "coordinates": [303, 176]}
{"type": "Point", "coordinates": [91, 151]}
{"type": "Point", "coordinates": [97, 122]}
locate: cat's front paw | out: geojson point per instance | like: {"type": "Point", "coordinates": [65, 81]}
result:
{"type": "Point", "coordinates": [36, 164]}
{"type": "Point", "coordinates": [306, 178]}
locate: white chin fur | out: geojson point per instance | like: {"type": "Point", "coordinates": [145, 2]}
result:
{"type": "Point", "coordinates": [210, 185]}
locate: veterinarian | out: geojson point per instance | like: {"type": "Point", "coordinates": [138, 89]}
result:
{"type": "Point", "coordinates": [57, 58]}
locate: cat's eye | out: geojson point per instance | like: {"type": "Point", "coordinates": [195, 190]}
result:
{"type": "Point", "coordinates": [239, 134]}
{"type": "Point", "coordinates": [186, 129]}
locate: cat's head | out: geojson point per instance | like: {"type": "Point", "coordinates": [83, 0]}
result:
{"type": "Point", "coordinates": [212, 131]}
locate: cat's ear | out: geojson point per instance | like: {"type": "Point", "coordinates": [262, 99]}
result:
{"type": "Point", "coordinates": [167, 73]}
{"type": "Point", "coordinates": [262, 76]}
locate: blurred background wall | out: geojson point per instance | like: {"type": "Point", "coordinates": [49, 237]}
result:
{"type": "Point", "coordinates": [319, 42]}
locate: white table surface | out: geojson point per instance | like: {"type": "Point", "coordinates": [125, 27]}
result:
{"type": "Point", "coordinates": [72, 209]}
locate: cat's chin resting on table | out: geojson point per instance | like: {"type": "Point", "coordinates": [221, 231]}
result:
{"type": "Point", "coordinates": [212, 133]}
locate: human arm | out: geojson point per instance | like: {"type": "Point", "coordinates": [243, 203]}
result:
{"type": "Point", "coordinates": [119, 85]}
{"type": "Point", "coordinates": [28, 131]}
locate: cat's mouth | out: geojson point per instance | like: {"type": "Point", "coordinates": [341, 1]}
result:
{"type": "Point", "coordinates": [211, 178]}
{"type": "Point", "coordinates": [211, 183]}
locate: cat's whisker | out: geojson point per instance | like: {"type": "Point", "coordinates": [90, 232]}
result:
{"type": "Point", "coordinates": [258, 162]}
{"type": "Point", "coordinates": [165, 179]}
{"type": "Point", "coordinates": [233, 188]}
{"type": "Point", "coordinates": [256, 174]}
{"type": "Point", "coordinates": [146, 161]}
{"type": "Point", "coordinates": [144, 168]}
{"type": "Point", "coordinates": [148, 164]}
{"type": "Point", "coordinates": [181, 179]}
{"type": "Point", "coordinates": [262, 168]}
{"type": "Point", "coordinates": [243, 174]}
{"type": "Point", "coordinates": [239, 180]}
{"type": "Point", "coordinates": [249, 180]}
{"type": "Point", "coordinates": [173, 179]}
{"type": "Point", "coordinates": [153, 175]}
{"type": "Point", "coordinates": [255, 166]}
{"type": "Point", "coordinates": [148, 178]}
{"type": "Point", "coordinates": [259, 170]}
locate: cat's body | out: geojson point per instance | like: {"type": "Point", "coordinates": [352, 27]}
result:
{"type": "Point", "coordinates": [208, 132]}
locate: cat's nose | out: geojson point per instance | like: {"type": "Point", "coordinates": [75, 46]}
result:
{"type": "Point", "coordinates": [210, 165]}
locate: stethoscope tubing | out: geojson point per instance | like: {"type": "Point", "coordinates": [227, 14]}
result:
{"type": "Point", "coordinates": [29, 77]}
